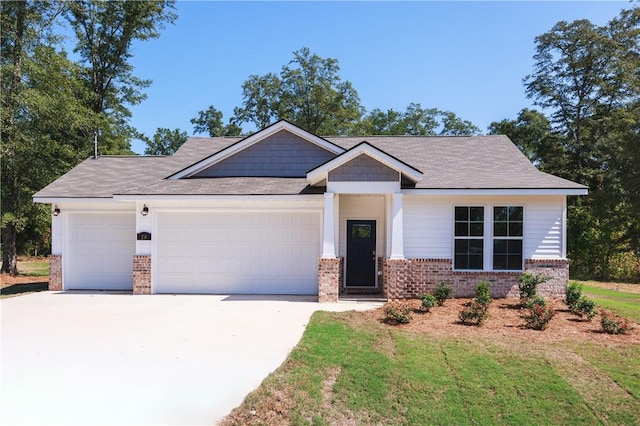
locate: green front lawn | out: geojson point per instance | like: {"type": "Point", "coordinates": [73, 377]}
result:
{"type": "Point", "coordinates": [350, 369]}
{"type": "Point", "coordinates": [34, 268]}
{"type": "Point", "coordinates": [625, 304]}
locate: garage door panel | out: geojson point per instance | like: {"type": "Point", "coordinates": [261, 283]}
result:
{"type": "Point", "coordinates": [260, 253]}
{"type": "Point", "coordinates": [100, 252]}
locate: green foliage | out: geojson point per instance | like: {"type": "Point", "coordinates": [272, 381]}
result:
{"type": "Point", "coordinates": [210, 121]}
{"type": "Point", "coordinates": [415, 120]}
{"type": "Point", "coordinates": [625, 304]}
{"type": "Point", "coordinates": [483, 294]}
{"type": "Point", "coordinates": [442, 292]}
{"type": "Point", "coordinates": [397, 312]}
{"type": "Point", "coordinates": [308, 92]}
{"type": "Point", "coordinates": [612, 323]}
{"type": "Point", "coordinates": [585, 307]}
{"type": "Point", "coordinates": [573, 295]}
{"type": "Point", "coordinates": [538, 316]}
{"type": "Point", "coordinates": [474, 313]}
{"type": "Point", "coordinates": [536, 300]}
{"type": "Point", "coordinates": [585, 76]}
{"type": "Point", "coordinates": [428, 301]}
{"type": "Point", "coordinates": [165, 142]}
{"type": "Point", "coordinates": [528, 285]}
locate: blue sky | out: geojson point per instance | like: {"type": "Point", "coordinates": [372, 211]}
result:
{"type": "Point", "coordinates": [466, 57]}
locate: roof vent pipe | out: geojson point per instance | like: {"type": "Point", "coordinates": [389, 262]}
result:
{"type": "Point", "coordinates": [95, 144]}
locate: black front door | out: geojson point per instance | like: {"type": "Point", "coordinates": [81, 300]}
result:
{"type": "Point", "coordinates": [361, 253]}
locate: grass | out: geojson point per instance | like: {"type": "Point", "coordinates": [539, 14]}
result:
{"type": "Point", "coordinates": [348, 369]}
{"type": "Point", "coordinates": [625, 304]}
{"type": "Point", "coordinates": [34, 268]}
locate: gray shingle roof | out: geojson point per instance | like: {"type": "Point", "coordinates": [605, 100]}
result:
{"type": "Point", "coordinates": [456, 162]}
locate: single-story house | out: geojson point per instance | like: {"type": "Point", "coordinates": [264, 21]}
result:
{"type": "Point", "coordinates": [284, 211]}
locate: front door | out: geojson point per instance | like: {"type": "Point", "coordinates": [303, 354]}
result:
{"type": "Point", "coordinates": [361, 253]}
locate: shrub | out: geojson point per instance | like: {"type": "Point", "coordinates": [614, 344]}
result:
{"type": "Point", "coordinates": [397, 313]}
{"type": "Point", "coordinates": [442, 292]}
{"type": "Point", "coordinates": [574, 293]}
{"type": "Point", "coordinates": [483, 296]}
{"type": "Point", "coordinates": [585, 307]}
{"type": "Point", "coordinates": [538, 317]}
{"type": "Point", "coordinates": [428, 301]}
{"type": "Point", "coordinates": [612, 323]}
{"type": "Point", "coordinates": [473, 314]}
{"type": "Point", "coordinates": [536, 300]}
{"type": "Point", "coordinates": [528, 285]}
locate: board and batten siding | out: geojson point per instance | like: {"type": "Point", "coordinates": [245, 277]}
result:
{"type": "Point", "coordinates": [428, 224]}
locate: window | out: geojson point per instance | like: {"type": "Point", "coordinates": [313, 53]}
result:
{"type": "Point", "coordinates": [361, 231]}
{"type": "Point", "coordinates": [507, 238]}
{"type": "Point", "coordinates": [468, 236]}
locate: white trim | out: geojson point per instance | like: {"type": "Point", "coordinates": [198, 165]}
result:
{"type": "Point", "coordinates": [563, 227]}
{"type": "Point", "coordinates": [256, 137]}
{"type": "Point", "coordinates": [328, 227]}
{"type": "Point", "coordinates": [397, 235]}
{"type": "Point", "coordinates": [69, 200]}
{"type": "Point", "coordinates": [497, 191]}
{"type": "Point", "coordinates": [363, 187]}
{"type": "Point", "coordinates": [180, 197]}
{"type": "Point", "coordinates": [321, 173]}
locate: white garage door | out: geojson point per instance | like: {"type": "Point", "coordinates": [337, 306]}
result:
{"type": "Point", "coordinates": [100, 251]}
{"type": "Point", "coordinates": [237, 252]}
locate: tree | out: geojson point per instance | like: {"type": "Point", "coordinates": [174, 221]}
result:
{"type": "Point", "coordinates": [308, 92]}
{"type": "Point", "coordinates": [415, 120]}
{"type": "Point", "coordinates": [105, 31]}
{"type": "Point", "coordinates": [210, 121]}
{"type": "Point", "coordinates": [533, 134]}
{"type": "Point", "coordinates": [587, 77]}
{"type": "Point", "coordinates": [39, 131]}
{"type": "Point", "coordinates": [165, 142]}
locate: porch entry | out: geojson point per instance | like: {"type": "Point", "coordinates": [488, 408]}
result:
{"type": "Point", "coordinates": [361, 253]}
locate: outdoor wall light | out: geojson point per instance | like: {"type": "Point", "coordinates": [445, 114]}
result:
{"type": "Point", "coordinates": [145, 210]}
{"type": "Point", "coordinates": [56, 211]}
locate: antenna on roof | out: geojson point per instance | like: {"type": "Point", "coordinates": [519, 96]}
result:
{"type": "Point", "coordinates": [95, 144]}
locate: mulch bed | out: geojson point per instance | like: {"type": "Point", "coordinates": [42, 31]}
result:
{"type": "Point", "coordinates": [505, 321]}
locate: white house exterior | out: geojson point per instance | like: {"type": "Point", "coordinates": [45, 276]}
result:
{"type": "Point", "coordinates": [284, 211]}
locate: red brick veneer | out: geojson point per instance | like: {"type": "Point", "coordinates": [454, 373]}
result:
{"type": "Point", "coordinates": [55, 272]}
{"type": "Point", "coordinates": [329, 278]}
{"type": "Point", "coordinates": [406, 278]}
{"type": "Point", "coordinates": [141, 274]}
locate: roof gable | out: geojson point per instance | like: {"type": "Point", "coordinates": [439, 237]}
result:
{"type": "Point", "coordinates": [281, 149]}
{"type": "Point", "coordinates": [375, 166]}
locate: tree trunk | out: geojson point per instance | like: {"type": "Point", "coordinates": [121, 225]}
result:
{"type": "Point", "coordinates": [9, 250]}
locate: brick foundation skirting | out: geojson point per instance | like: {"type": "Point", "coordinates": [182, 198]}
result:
{"type": "Point", "coordinates": [329, 278]}
{"type": "Point", "coordinates": [55, 272]}
{"type": "Point", "coordinates": [141, 274]}
{"type": "Point", "coordinates": [408, 278]}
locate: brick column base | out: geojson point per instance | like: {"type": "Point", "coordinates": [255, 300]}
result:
{"type": "Point", "coordinates": [396, 275]}
{"type": "Point", "coordinates": [55, 272]}
{"type": "Point", "coordinates": [329, 278]}
{"type": "Point", "coordinates": [141, 274]}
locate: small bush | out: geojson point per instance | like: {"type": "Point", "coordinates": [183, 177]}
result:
{"type": "Point", "coordinates": [536, 300]}
{"type": "Point", "coordinates": [428, 301]}
{"type": "Point", "coordinates": [442, 292]}
{"type": "Point", "coordinates": [585, 307]}
{"type": "Point", "coordinates": [538, 317]}
{"type": "Point", "coordinates": [528, 285]}
{"type": "Point", "coordinates": [574, 293]}
{"type": "Point", "coordinates": [397, 313]}
{"type": "Point", "coordinates": [612, 323]}
{"type": "Point", "coordinates": [483, 296]}
{"type": "Point", "coordinates": [473, 314]}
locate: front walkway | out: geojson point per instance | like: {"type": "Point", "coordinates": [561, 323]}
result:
{"type": "Point", "coordinates": [97, 358]}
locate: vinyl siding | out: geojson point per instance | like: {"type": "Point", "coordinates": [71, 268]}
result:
{"type": "Point", "coordinates": [363, 208]}
{"type": "Point", "coordinates": [428, 230]}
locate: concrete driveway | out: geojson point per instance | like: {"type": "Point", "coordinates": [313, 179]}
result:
{"type": "Point", "coordinates": [99, 358]}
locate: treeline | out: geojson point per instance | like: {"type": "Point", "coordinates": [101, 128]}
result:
{"type": "Point", "coordinates": [585, 80]}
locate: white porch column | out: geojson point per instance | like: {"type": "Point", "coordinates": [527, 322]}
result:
{"type": "Point", "coordinates": [397, 237]}
{"type": "Point", "coordinates": [328, 225]}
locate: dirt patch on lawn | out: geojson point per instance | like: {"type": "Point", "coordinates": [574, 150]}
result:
{"type": "Point", "coordinates": [505, 319]}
